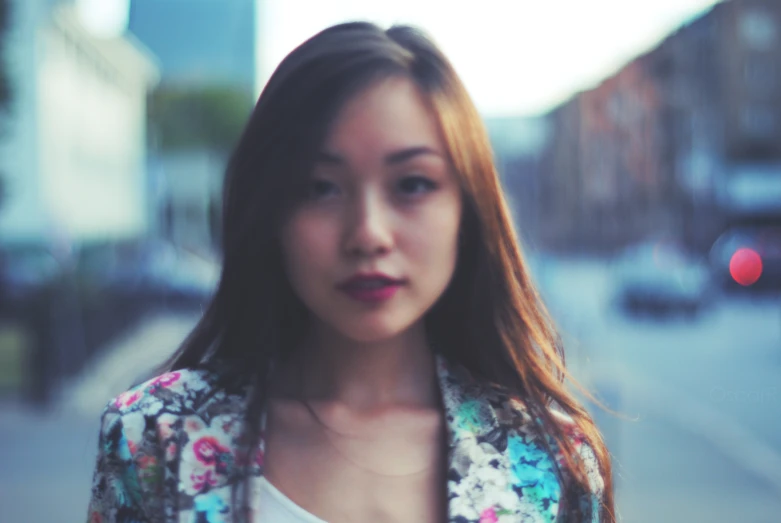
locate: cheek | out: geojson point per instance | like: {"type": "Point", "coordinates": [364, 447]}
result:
{"type": "Point", "coordinates": [434, 234]}
{"type": "Point", "coordinates": [307, 243]}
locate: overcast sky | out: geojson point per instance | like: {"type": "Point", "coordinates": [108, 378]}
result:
{"type": "Point", "coordinates": [515, 56]}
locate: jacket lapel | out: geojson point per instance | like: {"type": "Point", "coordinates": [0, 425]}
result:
{"type": "Point", "coordinates": [497, 471]}
{"type": "Point", "coordinates": [493, 462]}
{"type": "Point", "coordinates": [479, 476]}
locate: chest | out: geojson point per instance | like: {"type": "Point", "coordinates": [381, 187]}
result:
{"type": "Point", "coordinates": [362, 473]}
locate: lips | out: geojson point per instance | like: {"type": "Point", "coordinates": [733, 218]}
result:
{"type": "Point", "coordinates": [371, 288]}
{"type": "Point", "coordinates": [370, 279]}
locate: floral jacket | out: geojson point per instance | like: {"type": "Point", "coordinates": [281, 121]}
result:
{"type": "Point", "coordinates": [167, 448]}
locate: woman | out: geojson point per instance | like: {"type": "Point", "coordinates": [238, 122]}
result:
{"type": "Point", "coordinates": [375, 350]}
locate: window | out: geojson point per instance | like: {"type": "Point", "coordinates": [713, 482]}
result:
{"type": "Point", "coordinates": [760, 75]}
{"type": "Point", "coordinates": [758, 120]}
{"type": "Point", "coordinates": [758, 29]}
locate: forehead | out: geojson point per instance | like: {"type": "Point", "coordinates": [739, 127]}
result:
{"type": "Point", "coordinates": [388, 115]}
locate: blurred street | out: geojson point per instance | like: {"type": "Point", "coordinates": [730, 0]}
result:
{"type": "Point", "coordinates": [48, 456]}
{"type": "Point", "coordinates": [704, 442]}
{"type": "Point", "coordinates": [704, 439]}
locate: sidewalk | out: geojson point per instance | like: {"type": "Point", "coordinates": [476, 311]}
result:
{"type": "Point", "coordinates": [48, 456]}
{"type": "Point", "coordinates": [124, 362]}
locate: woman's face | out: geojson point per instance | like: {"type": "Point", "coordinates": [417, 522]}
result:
{"type": "Point", "coordinates": [374, 243]}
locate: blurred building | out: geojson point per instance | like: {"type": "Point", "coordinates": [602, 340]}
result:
{"type": "Point", "coordinates": [679, 142]}
{"type": "Point", "coordinates": [73, 162]}
{"type": "Point", "coordinates": [207, 54]}
{"type": "Point", "coordinates": [517, 142]}
{"type": "Point", "coordinates": [74, 153]}
{"type": "Point", "coordinates": [199, 42]}
{"type": "Point", "coordinates": [559, 189]}
{"type": "Point", "coordinates": [750, 189]}
{"type": "Point", "coordinates": [190, 200]}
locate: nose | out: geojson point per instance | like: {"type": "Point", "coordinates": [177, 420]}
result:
{"type": "Point", "coordinates": [368, 230]}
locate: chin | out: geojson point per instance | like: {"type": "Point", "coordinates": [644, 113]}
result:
{"type": "Point", "coordinates": [368, 334]}
{"type": "Point", "coordinates": [373, 330]}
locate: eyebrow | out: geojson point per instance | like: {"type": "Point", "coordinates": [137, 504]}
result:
{"type": "Point", "coordinates": [393, 158]}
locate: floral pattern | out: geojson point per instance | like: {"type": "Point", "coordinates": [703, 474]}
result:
{"type": "Point", "coordinates": [168, 447]}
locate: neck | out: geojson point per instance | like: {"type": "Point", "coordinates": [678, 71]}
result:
{"type": "Point", "coordinates": [368, 376]}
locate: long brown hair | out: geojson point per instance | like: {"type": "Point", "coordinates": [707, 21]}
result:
{"type": "Point", "coordinates": [490, 319]}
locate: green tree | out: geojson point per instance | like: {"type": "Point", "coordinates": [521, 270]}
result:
{"type": "Point", "coordinates": [198, 117]}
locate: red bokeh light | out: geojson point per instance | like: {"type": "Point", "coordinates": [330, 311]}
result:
{"type": "Point", "coordinates": [745, 266]}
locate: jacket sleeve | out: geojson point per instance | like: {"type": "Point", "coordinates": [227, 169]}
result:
{"type": "Point", "coordinates": [590, 503]}
{"type": "Point", "coordinates": [117, 495]}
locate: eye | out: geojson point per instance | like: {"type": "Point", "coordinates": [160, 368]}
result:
{"type": "Point", "coordinates": [413, 185]}
{"type": "Point", "coordinates": [320, 189]}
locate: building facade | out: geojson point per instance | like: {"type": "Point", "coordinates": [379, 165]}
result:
{"type": "Point", "coordinates": [208, 51]}
{"type": "Point", "coordinates": [74, 157]}
{"type": "Point", "coordinates": [657, 148]}
{"type": "Point", "coordinates": [202, 42]}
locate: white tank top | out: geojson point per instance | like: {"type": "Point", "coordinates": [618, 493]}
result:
{"type": "Point", "coordinates": [272, 506]}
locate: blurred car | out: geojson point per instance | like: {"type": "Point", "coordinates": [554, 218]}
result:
{"type": "Point", "coordinates": [748, 257]}
{"type": "Point", "coordinates": [661, 278]}
{"type": "Point", "coordinates": [26, 268]}
{"type": "Point", "coordinates": [159, 274]}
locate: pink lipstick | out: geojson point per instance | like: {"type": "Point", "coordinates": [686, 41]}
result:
{"type": "Point", "coordinates": [371, 287]}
